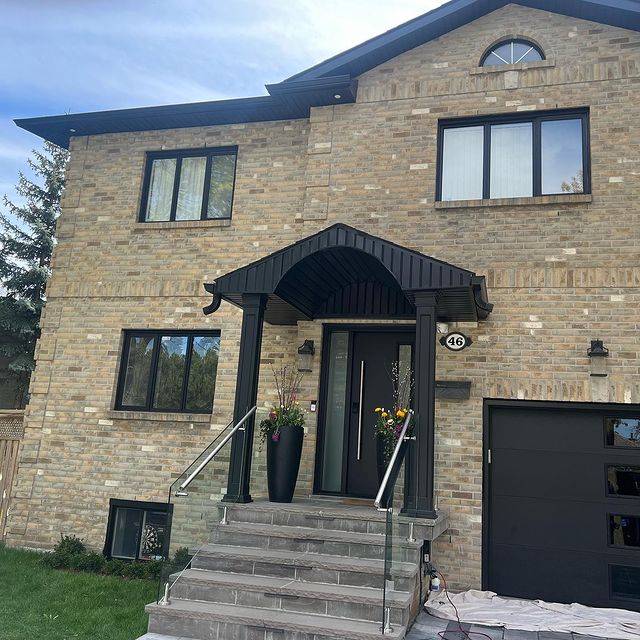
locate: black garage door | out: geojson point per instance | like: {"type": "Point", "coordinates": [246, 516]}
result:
{"type": "Point", "coordinates": [562, 508]}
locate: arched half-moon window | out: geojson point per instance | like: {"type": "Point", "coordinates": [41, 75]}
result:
{"type": "Point", "coordinates": [512, 52]}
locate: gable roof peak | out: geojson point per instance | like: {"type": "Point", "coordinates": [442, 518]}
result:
{"type": "Point", "coordinates": [453, 15]}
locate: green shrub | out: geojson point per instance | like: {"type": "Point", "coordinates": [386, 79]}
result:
{"type": "Point", "coordinates": [70, 545]}
{"type": "Point", "coordinates": [70, 553]}
{"type": "Point", "coordinates": [152, 569]}
{"type": "Point", "coordinates": [93, 562]}
{"type": "Point", "coordinates": [57, 560]}
{"type": "Point", "coordinates": [134, 570]}
{"type": "Point", "coordinates": [114, 567]}
{"type": "Point", "coordinates": [181, 558]}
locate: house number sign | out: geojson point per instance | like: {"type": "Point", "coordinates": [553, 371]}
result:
{"type": "Point", "coordinates": [455, 341]}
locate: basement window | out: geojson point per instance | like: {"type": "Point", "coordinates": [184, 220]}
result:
{"type": "Point", "coordinates": [171, 371]}
{"type": "Point", "coordinates": [188, 185]}
{"type": "Point", "coordinates": [137, 530]}
{"type": "Point", "coordinates": [513, 156]}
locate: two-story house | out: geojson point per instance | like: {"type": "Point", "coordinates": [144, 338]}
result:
{"type": "Point", "coordinates": [459, 194]}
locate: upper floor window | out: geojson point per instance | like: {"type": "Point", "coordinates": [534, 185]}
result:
{"type": "Point", "coordinates": [512, 52]}
{"type": "Point", "coordinates": [188, 185]}
{"type": "Point", "coordinates": [513, 156]}
{"type": "Point", "coordinates": [168, 371]}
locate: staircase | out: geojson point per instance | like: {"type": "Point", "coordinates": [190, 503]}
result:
{"type": "Point", "coordinates": [310, 570]}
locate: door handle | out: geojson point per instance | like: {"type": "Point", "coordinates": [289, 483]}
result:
{"type": "Point", "coordinates": [360, 410]}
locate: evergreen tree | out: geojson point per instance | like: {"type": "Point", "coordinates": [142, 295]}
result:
{"type": "Point", "coordinates": [26, 243]}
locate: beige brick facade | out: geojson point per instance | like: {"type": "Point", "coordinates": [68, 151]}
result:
{"type": "Point", "coordinates": [560, 270]}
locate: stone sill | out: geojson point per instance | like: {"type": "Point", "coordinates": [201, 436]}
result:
{"type": "Point", "coordinates": [183, 224]}
{"type": "Point", "coordinates": [571, 198]}
{"type": "Point", "coordinates": [160, 416]}
{"type": "Point", "coordinates": [521, 66]}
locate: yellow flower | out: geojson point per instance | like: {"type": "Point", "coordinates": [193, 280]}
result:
{"type": "Point", "coordinates": [400, 413]}
{"type": "Point", "coordinates": [384, 414]}
{"type": "Point", "coordinates": [378, 409]}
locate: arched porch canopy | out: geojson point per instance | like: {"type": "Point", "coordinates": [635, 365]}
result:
{"type": "Point", "coordinates": [343, 272]}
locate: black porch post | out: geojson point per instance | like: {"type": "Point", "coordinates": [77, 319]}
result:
{"type": "Point", "coordinates": [253, 305]}
{"type": "Point", "coordinates": [419, 471]}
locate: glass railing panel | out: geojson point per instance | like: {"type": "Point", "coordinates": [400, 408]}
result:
{"type": "Point", "coordinates": [258, 486]}
{"type": "Point", "coordinates": [195, 497]}
{"type": "Point", "coordinates": [395, 551]}
{"type": "Point", "coordinates": [399, 554]}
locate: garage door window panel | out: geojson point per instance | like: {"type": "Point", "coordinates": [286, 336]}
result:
{"type": "Point", "coordinates": [624, 531]}
{"type": "Point", "coordinates": [623, 480]}
{"type": "Point", "coordinates": [624, 582]}
{"type": "Point", "coordinates": [622, 432]}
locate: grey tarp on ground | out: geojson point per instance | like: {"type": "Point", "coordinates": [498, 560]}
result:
{"type": "Point", "coordinates": [487, 608]}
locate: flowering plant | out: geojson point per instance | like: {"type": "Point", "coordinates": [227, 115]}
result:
{"type": "Point", "coordinates": [389, 427]}
{"type": "Point", "coordinates": [390, 421]}
{"type": "Point", "coordinates": [287, 413]}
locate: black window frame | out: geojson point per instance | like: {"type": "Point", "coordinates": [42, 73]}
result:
{"type": "Point", "coordinates": [504, 41]}
{"type": "Point", "coordinates": [115, 504]}
{"type": "Point", "coordinates": [536, 119]}
{"type": "Point", "coordinates": [179, 155]}
{"type": "Point", "coordinates": [158, 333]}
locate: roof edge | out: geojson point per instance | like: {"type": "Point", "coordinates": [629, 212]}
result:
{"type": "Point", "coordinates": [452, 15]}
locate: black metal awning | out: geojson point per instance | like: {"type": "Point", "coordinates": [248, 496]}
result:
{"type": "Point", "coordinates": [342, 272]}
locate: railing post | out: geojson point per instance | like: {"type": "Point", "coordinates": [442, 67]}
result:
{"type": "Point", "coordinates": [166, 599]}
{"type": "Point", "coordinates": [386, 623]}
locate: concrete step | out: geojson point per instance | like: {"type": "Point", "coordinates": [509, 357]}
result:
{"type": "Point", "coordinates": [307, 567]}
{"type": "Point", "coordinates": [214, 621]}
{"type": "Point", "coordinates": [310, 540]}
{"type": "Point", "coordinates": [317, 513]}
{"type": "Point", "coordinates": [358, 603]}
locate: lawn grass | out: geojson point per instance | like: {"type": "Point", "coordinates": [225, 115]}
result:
{"type": "Point", "coordinates": [39, 603]}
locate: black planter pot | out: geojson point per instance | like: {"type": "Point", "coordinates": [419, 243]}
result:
{"type": "Point", "coordinates": [283, 463]}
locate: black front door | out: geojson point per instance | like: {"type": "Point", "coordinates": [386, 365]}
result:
{"type": "Point", "coordinates": [358, 370]}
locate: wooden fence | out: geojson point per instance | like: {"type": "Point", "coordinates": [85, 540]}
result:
{"type": "Point", "coordinates": [11, 432]}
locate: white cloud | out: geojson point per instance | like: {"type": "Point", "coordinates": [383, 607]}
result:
{"type": "Point", "coordinates": [81, 55]}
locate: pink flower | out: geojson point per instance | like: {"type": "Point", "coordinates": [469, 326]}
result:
{"type": "Point", "coordinates": [275, 436]}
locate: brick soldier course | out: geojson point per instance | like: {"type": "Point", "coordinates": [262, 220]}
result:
{"type": "Point", "coordinates": [560, 270]}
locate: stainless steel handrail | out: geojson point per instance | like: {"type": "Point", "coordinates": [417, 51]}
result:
{"type": "Point", "coordinates": [221, 444]}
{"type": "Point", "coordinates": [394, 456]}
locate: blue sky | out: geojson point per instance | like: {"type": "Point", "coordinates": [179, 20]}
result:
{"type": "Point", "coordinates": [61, 56]}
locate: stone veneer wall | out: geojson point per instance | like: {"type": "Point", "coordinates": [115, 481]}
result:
{"type": "Point", "coordinates": [560, 270]}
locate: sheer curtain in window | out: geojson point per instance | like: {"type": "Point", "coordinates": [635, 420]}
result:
{"type": "Point", "coordinates": [462, 163]}
{"type": "Point", "coordinates": [161, 189]}
{"type": "Point", "coordinates": [512, 160]}
{"type": "Point", "coordinates": [191, 188]}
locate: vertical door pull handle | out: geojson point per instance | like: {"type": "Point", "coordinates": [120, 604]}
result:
{"type": "Point", "coordinates": [360, 410]}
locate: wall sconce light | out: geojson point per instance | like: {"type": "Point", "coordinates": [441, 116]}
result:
{"type": "Point", "coordinates": [598, 354]}
{"type": "Point", "coordinates": [305, 355]}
